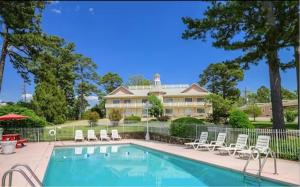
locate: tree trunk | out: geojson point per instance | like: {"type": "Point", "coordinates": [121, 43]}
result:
{"type": "Point", "coordinates": [3, 55]}
{"type": "Point", "coordinates": [274, 69]}
{"type": "Point", "coordinates": [276, 99]}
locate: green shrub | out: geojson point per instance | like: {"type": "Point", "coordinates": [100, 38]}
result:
{"type": "Point", "coordinates": [32, 121]}
{"type": "Point", "coordinates": [239, 119]}
{"type": "Point", "coordinates": [163, 118]}
{"type": "Point", "coordinates": [290, 115]}
{"type": "Point", "coordinates": [115, 116]}
{"type": "Point", "coordinates": [184, 127]}
{"type": "Point", "coordinates": [93, 117]}
{"type": "Point", "coordinates": [132, 118]}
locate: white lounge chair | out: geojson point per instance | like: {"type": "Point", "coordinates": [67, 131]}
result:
{"type": "Point", "coordinates": [79, 135]}
{"type": "Point", "coordinates": [262, 144]}
{"type": "Point", "coordinates": [91, 135]}
{"type": "Point", "coordinates": [202, 140]}
{"type": "Point", "coordinates": [103, 135]}
{"type": "Point", "coordinates": [241, 144]}
{"type": "Point", "coordinates": [115, 135]}
{"type": "Point", "coordinates": [214, 144]}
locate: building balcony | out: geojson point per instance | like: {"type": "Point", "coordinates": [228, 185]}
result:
{"type": "Point", "coordinates": [125, 105]}
{"type": "Point", "coordinates": [186, 104]}
{"type": "Point", "coordinates": [173, 104]}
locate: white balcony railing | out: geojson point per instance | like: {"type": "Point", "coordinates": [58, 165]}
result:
{"type": "Point", "coordinates": [141, 105]}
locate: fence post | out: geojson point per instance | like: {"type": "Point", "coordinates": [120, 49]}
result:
{"type": "Point", "coordinates": [196, 132]}
{"type": "Point", "coordinates": [38, 134]}
{"type": "Point", "coordinates": [277, 146]}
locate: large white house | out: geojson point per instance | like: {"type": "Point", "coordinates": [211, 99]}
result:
{"type": "Point", "coordinates": [178, 100]}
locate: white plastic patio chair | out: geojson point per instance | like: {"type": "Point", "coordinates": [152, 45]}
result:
{"type": "Point", "coordinates": [103, 135]}
{"type": "Point", "coordinates": [79, 135]}
{"type": "Point", "coordinates": [202, 140]}
{"type": "Point", "coordinates": [115, 135]}
{"type": "Point", "coordinates": [214, 144]}
{"type": "Point", "coordinates": [241, 144]}
{"type": "Point", "coordinates": [262, 144]}
{"type": "Point", "coordinates": [91, 135]}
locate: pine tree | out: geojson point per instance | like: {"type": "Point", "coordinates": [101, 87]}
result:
{"type": "Point", "coordinates": [21, 34]}
{"type": "Point", "coordinates": [258, 29]}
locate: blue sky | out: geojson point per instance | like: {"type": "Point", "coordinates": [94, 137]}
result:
{"type": "Point", "coordinates": [138, 38]}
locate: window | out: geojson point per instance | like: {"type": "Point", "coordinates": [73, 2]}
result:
{"type": "Point", "coordinates": [144, 100]}
{"type": "Point", "coordinates": [200, 110]}
{"type": "Point", "coordinates": [116, 101]}
{"type": "Point", "coordinates": [200, 100]}
{"type": "Point", "coordinates": [127, 101]}
{"type": "Point", "coordinates": [168, 100]}
{"type": "Point", "coordinates": [169, 111]}
{"type": "Point", "coordinates": [188, 100]}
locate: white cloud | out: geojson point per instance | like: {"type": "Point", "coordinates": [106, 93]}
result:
{"type": "Point", "coordinates": [91, 10]}
{"type": "Point", "coordinates": [92, 100]}
{"type": "Point", "coordinates": [28, 97]}
{"type": "Point", "coordinates": [57, 11]}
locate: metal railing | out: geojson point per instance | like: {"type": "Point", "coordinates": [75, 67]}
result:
{"type": "Point", "coordinates": [284, 142]}
{"type": "Point", "coordinates": [16, 168]}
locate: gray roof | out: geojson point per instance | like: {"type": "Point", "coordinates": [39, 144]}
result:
{"type": "Point", "coordinates": [167, 90]}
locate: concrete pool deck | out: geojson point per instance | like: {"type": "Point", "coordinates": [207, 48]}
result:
{"type": "Point", "coordinates": [37, 155]}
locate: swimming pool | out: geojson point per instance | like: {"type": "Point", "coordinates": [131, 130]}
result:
{"type": "Point", "coordinates": [132, 165]}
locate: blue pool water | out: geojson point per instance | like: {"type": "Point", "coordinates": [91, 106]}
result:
{"type": "Point", "coordinates": [131, 165]}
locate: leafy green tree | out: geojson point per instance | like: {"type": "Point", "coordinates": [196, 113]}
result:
{"type": "Point", "coordinates": [252, 98]}
{"type": "Point", "coordinates": [93, 117]}
{"type": "Point", "coordinates": [220, 106]}
{"type": "Point", "coordinates": [111, 81]}
{"type": "Point", "coordinates": [238, 119]}
{"type": "Point", "coordinates": [258, 29]}
{"type": "Point", "coordinates": [288, 95]}
{"type": "Point", "coordinates": [222, 78]}
{"type": "Point", "coordinates": [263, 95]}
{"type": "Point", "coordinates": [156, 109]}
{"type": "Point", "coordinates": [138, 80]}
{"type": "Point", "coordinates": [253, 110]}
{"type": "Point", "coordinates": [20, 34]}
{"type": "Point", "coordinates": [86, 81]}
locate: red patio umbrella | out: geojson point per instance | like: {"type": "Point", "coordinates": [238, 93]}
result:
{"type": "Point", "coordinates": [12, 117]}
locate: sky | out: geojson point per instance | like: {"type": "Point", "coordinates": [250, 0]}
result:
{"type": "Point", "coordinates": [144, 38]}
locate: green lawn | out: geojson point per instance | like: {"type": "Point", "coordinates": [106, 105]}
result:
{"type": "Point", "coordinates": [268, 124]}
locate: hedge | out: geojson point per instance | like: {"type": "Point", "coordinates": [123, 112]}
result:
{"type": "Point", "coordinates": [132, 118]}
{"type": "Point", "coordinates": [32, 121]}
{"type": "Point", "coordinates": [184, 127]}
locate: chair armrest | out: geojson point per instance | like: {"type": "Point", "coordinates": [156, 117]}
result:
{"type": "Point", "coordinates": [232, 145]}
{"type": "Point", "coordinates": [213, 142]}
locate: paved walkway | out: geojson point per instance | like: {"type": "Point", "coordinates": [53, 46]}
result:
{"type": "Point", "coordinates": [37, 155]}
